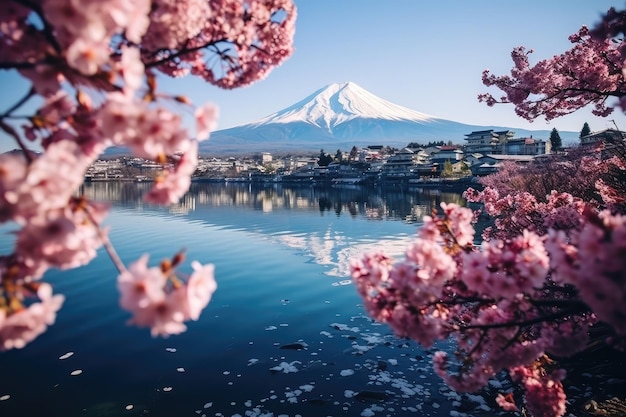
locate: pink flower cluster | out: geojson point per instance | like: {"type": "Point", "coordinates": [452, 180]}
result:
{"type": "Point", "coordinates": [594, 261]}
{"type": "Point", "coordinates": [517, 212]}
{"type": "Point", "coordinates": [553, 264]}
{"type": "Point", "coordinates": [94, 66]}
{"type": "Point", "coordinates": [588, 73]}
{"type": "Point", "coordinates": [24, 325]}
{"type": "Point", "coordinates": [508, 302]}
{"type": "Point", "coordinates": [157, 298]}
{"type": "Point", "coordinates": [544, 393]}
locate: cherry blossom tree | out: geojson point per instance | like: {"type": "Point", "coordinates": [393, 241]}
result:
{"type": "Point", "coordinates": [590, 73]}
{"type": "Point", "coordinates": [548, 279]}
{"type": "Point", "coordinates": [94, 66]}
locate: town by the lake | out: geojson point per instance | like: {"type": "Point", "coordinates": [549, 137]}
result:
{"type": "Point", "coordinates": [434, 164]}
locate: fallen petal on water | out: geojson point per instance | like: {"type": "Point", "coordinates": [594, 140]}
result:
{"type": "Point", "coordinates": [76, 372]}
{"type": "Point", "coordinates": [67, 355]}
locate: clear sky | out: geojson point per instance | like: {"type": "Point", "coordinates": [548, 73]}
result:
{"type": "Point", "coordinates": [424, 55]}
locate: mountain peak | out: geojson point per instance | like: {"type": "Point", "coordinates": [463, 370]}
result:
{"type": "Point", "coordinates": [339, 103]}
{"type": "Point", "coordinates": [342, 115]}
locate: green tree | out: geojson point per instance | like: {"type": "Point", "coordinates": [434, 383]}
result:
{"type": "Point", "coordinates": [584, 131]}
{"type": "Point", "coordinates": [354, 153]}
{"type": "Point", "coordinates": [324, 159]}
{"type": "Point", "coordinates": [339, 156]}
{"type": "Point", "coordinates": [268, 168]}
{"type": "Point", "coordinates": [447, 169]}
{"type": "Point", "coordinates": [555, 139]}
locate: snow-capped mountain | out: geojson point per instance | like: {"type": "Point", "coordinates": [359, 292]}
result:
{"type": "Point", "coordinates": [340, 116]}
{"type": "Point", "coordinates": [337, 104]}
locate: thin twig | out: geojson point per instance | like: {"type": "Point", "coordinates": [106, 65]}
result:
{"type": "Point", "coordinates": [108, 246]}
{"type": "Point", "coordinates": [8, 129]}
{"type": "Point", "coordinates": [19, 103]}
{"type": "Point", "coordinates": [528, 322]}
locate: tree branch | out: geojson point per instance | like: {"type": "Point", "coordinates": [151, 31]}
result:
{"type": "Point", "coordinates": [19, 103]}
{"type": "Point", "coordinates": [522, 323]}
{"type": "Point", "coordinates": [48, 31]}
{"type": "Point", "coordinates": [180, 53]}
{"type": "Point", "coordinates": [8, 129]}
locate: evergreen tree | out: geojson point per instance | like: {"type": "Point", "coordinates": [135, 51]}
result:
{"type": "Point", "coordinates": [324, 159]}
{"type": "Point", "coordinates": [339, 156]}
{"type": "Point", "coordinates": [354, 153]}
{"type": "Point", "coordinates": [555, 139]}
{"type": "Point", "coordinates": [585, 130]}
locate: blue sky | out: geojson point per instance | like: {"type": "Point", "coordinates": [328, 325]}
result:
{"type": "Point", "coordinates": [424, 55]}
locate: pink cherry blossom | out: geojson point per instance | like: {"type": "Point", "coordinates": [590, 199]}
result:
{"type": "Point", "coordinates": [174, 22]}
{"type": "Point", "coordinates": [140, 286]}
{"type": "Point", "coordinates": [164, 318]}
{"type": "Point", "coordinates": [159, 299]}
{"type": "Point", "coordinates": [131, 69]}
{"type": "Point", "coordinates": [87, 56]}
{"type": "Point", "coordinates": [174, 182]}
{"type": "Point", "coordinates": [506, 402]}
{"type": "Point", "coordinates": [93, 64]}
{"type": "Point", "coordinates": [46, 184]}
{"type": "Point", "coordinates": [200, 287]}
{"type": "Point", "coordinates": [63, 239]}
{"type": "Point", "coordinates": [21, 327]}
{"type": "Point", "coordinates": [206, 120]}
{"type": "Point", "coordinates": [585, 74]}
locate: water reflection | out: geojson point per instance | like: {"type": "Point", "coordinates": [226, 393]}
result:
{"type": "Point", "coordinates": [409, 205]}
{"type": "Point", "coordinates": [281, 256]}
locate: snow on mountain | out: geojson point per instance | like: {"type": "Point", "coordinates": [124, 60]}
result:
{"type": "Point", "coordinates": [335, 104]}
{"type": "Point", "coordinates": [340, 116]}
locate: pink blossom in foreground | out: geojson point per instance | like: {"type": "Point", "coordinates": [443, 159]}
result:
{"type": "Point", "coordinates": [159, 300]}
{"type": "Point", "coordinates": [13, 170]}
{"type": "Point", "coordinates": [601, 269]}
{"type": "Point", "coordinates": [140, 286]}
{"type": "Point", "coordinates": [174, 182]}
{"type": "Point", "coordinates": [460, 223]}
{"type": "Point", "coordinates": [22, 327]}
{"type": "Point", "coordinates": [93, 64]}
{"type": "Point", "coordinates": [544, 393]}
{"type": "Point", "coordinates": [206, 120]}
{"type": "Point", "coordinates": [150, 133]}
{"type": "Point", "coordinates": [131, 68]}
{"type": "Point", "coordinates": [46, 184]}
{"type": "Point", "coordinates": [506, 402]}
{"type": "Point", "coordinates": [502, 302]}
{"type": "Point", "coordinates": [63, 239]}
{"type": "Point", "coordinates": [200, 288]}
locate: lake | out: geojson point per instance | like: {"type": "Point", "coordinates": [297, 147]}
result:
{"type": "Point", "coordinates": [285, 333]}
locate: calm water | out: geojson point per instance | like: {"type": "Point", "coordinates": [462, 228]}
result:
{"type": "Point", "coordinates": [281, 257]}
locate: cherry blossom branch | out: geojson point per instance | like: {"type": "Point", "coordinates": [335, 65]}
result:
{"type": "Point", "coordinates": [8, 129]}
{"type": "Point", "coordinates": [106, 242]}
{"type": "Point", "coordinates": [524, 323]}
{"type": "Point", "coordinates": [47, 28]}
{"type": "Point", "coordinates": [19, 103]}
{"type": "Point", "coordinates": [181, 53]}
{"type": "Point", "coordinates": [16, 65]}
